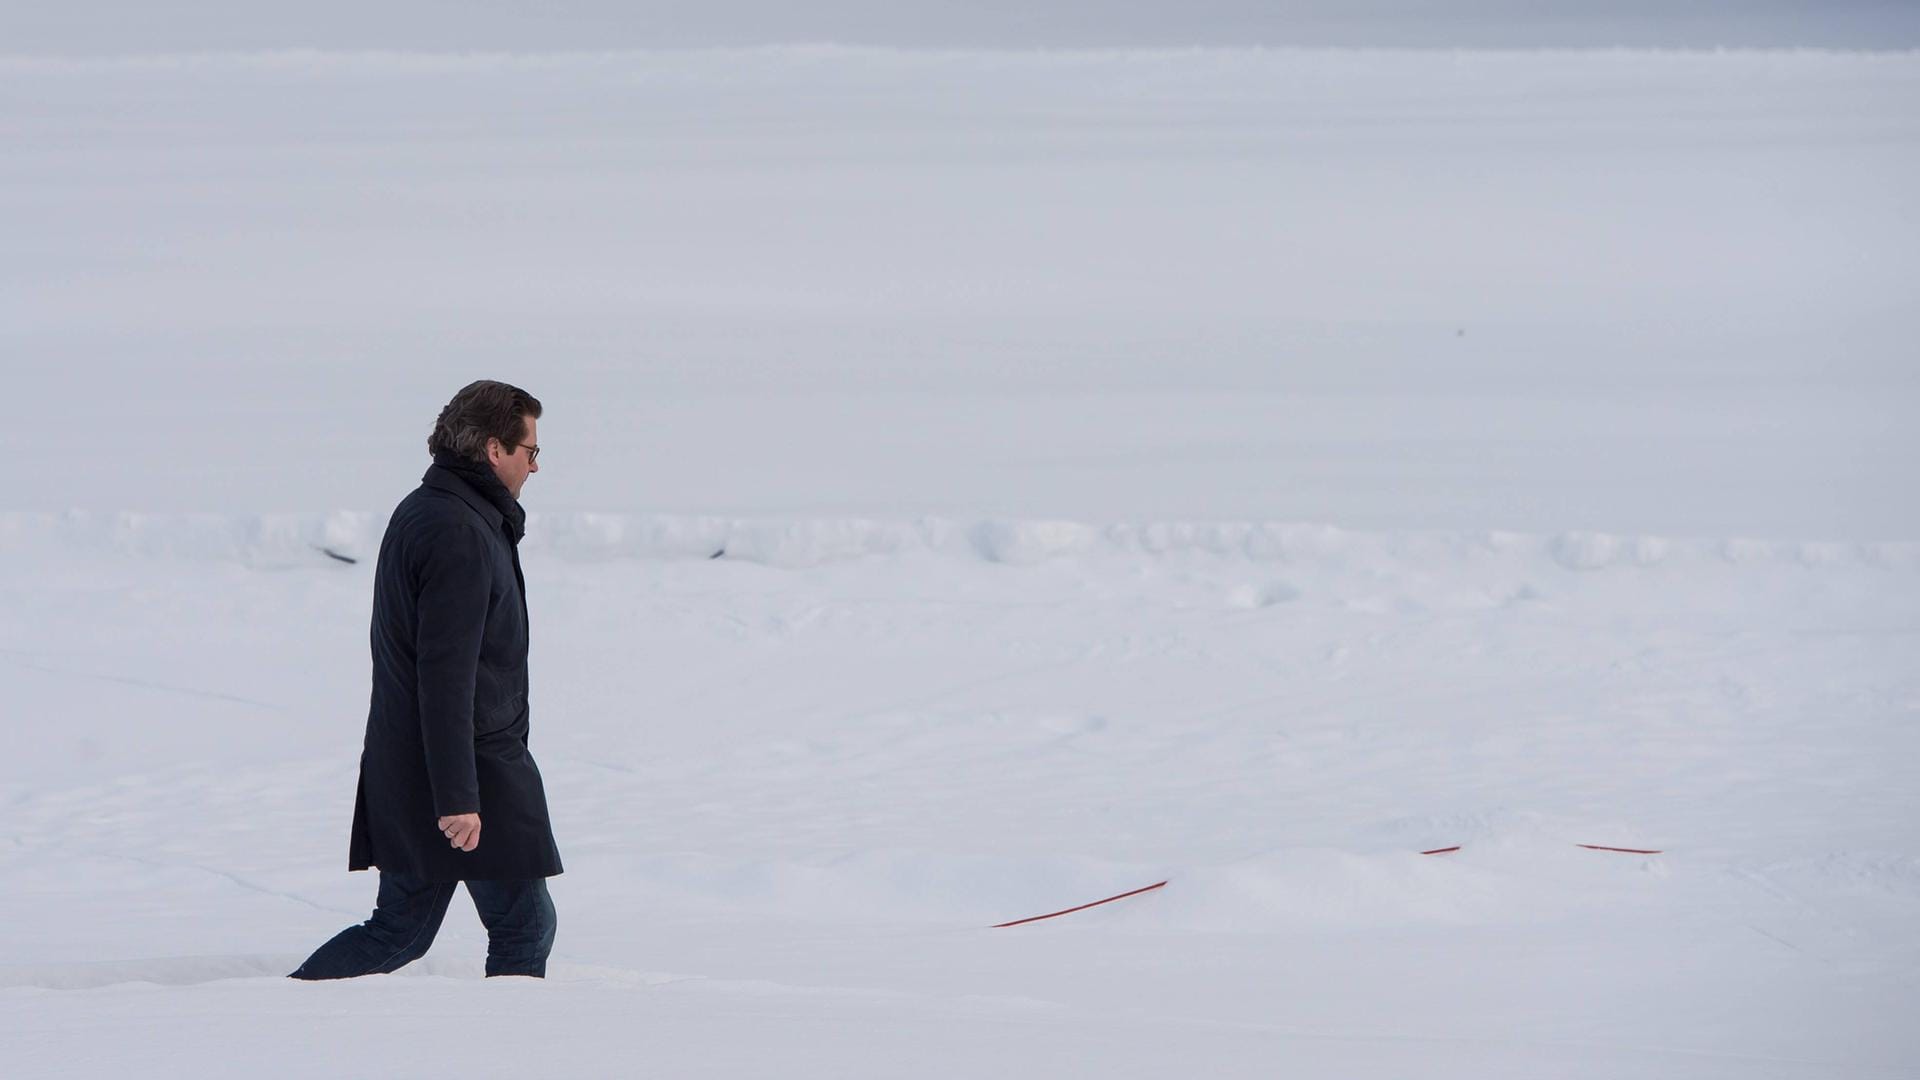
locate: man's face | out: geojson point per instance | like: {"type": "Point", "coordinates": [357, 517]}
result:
{"type": "Point", "coordinates": [514, 467]}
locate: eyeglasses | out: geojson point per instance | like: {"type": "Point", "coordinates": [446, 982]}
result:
{"type": "Point", "coordinates": [533, 451]}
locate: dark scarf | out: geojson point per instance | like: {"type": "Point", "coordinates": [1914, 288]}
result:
{"type": "Point", "coordinates": [479, 475]}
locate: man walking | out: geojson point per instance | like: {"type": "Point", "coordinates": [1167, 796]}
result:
{"type": "Point", "coordinates": [446, 745]}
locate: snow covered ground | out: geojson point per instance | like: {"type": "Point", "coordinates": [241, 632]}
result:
{"type": "Point", "coordinates": [1243, 469]}
{"type": "Point", "coordinates": [798, 782]}
{"type": "Point", "coordinates": [1628, 292]}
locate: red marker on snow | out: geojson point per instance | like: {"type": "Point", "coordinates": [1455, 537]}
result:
{"type": "Point", "coordinates": [1082, 907]}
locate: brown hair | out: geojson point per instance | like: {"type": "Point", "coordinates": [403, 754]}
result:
{"type": "Point", "coordinates": [480, 411]}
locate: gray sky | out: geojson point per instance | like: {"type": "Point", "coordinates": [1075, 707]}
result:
{"type": "Point", "coordinates": [93, 27]}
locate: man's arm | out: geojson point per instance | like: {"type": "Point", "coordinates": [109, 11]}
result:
{"type": "Point", "coordinates": [455, 580]}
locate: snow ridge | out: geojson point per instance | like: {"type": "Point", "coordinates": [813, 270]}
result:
{"type": "Point", "coordinates": [288, 539]}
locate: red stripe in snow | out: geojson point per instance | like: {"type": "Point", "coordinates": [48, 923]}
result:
{"type": "Point", "coordinates": [1082, 907]}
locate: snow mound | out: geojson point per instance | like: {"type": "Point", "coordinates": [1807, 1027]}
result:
{"type": "Point", "coordinates": [1276, 891]}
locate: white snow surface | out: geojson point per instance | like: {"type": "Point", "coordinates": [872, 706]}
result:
{"type": "Point", "coordinates": [797, 783]}
{"type": "Point", "coordinates": [978, 484]}
{"type": "Point", "coordinates": [1642, 292]}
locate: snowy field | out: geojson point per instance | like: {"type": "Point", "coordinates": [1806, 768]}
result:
{"type": "Point", "coordinates": [1667, 293]}
{"type": "Point", "coordinates": [1244, 469]}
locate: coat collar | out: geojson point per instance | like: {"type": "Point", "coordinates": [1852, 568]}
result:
{"type": "Point", "coordinates": [449, 481]}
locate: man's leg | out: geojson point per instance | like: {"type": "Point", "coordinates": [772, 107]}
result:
{"type": "Point", "coordinates": [520, 923]}
{"type": "Point", "coordinates": [406, 916]}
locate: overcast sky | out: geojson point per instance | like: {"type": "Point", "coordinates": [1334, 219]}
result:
{"type": "Point", "coordinates": [93, 27]}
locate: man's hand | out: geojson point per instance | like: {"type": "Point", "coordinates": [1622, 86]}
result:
{"type": "Point", "coordinates": [462, 830]}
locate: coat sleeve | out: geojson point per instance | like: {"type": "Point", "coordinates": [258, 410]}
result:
{"type": "Point", "coordinates": [455, 583]}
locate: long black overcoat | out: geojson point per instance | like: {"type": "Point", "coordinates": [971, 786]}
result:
{"type": "Point", "coordinates": [447, 728]}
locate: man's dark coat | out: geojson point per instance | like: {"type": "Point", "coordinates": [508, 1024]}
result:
{"type": "Point", "coordinates": [447, 730]}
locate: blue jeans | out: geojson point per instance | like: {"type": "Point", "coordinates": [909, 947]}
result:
{"type": "Point", "coordinates": [518, 915]}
